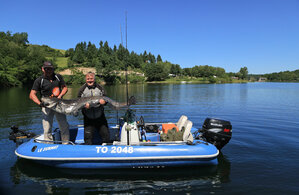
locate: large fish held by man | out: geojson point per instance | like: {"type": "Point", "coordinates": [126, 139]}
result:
{"type": "Point", "coordinates": [73, 106]}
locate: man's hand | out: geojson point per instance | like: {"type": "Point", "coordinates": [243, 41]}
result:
{"type": "Point", "coordinates": [42, 104]}
{"type": "Point", "coordinates": [102, 101]}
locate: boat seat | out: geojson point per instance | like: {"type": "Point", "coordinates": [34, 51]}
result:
{"type": "Point", "coordinates": [182, 122]}
{"type": "Point", "coordinates": [187, 136]}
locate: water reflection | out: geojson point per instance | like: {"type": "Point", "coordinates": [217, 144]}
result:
{"type": "Point", "coordinates": [54, 180]}
{"type": "Point", "coordinates": [264, 118]}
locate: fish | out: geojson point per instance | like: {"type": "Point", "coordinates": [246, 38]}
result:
{"type": "Point", "coordinates": [72, 106]}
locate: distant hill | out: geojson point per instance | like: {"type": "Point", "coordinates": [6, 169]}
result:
{"type": "Point", "coordinates": [48, 51]}
{"type": "Point", "coordinates": [55, 55]}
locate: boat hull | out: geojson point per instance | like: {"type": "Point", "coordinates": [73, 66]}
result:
{"type": "Point", "coordinates": [145, 155]}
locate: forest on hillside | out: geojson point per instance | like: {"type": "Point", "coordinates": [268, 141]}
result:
{"type": "Point", "coordinates": [109, 61]}
{"type": "Point", "coordinates": [20, 64]}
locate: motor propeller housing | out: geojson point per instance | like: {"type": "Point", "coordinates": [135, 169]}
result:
{"type": "Point", "coordinates": [217, 132]}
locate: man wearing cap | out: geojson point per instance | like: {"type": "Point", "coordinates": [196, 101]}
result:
{"type": "Point", "coordinates": [50, 85]}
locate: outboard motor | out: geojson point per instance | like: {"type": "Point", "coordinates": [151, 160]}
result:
{"type": "Point", "coordinates": [217, 132]}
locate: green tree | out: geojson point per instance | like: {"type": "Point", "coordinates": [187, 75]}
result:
{"type": "Point", "coordinates": [187, 71]}
{"type": "Point", "coordinates": [151, 58]}
{"type": "Point", "coordinates": [219, 72]}
{"type": "Point", "coordinates": [8, 73]}
{"type": "Point", "coordinates": [145, 57]}
{"type": "Point", "coordinates": [155, 72]}
{"type": "Point", "coordinates": [122, 56]}
{"type": "Point", "coordinates": [159, 58]}
{"type": "Point", "coordinates": [135, 61]}
{"type": "Point", "coordinates": [175, 69]}
{"type": "Point", "coordinates": [79, 53]}
{"type": "Point", "coordinates": [32, 65]}
{"type": "Point", "coordinates": [283, 76]}
{"type": "Point", "coordinates": [69, 53]}
{"type": "Point", "coordinates": [20, 38]}
{"type": "Point", "coordinates": [91, 51]}
{"type": "Point", "coordinates": [19, 63]}
{"type": "Point", "coordinates": [243, 73]}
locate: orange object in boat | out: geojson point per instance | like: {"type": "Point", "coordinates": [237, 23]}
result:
{"type": "Point", "coordinates": [168, 126]}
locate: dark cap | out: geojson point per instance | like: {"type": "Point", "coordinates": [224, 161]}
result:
{"type": "Point", "coordinates": [48, 64]}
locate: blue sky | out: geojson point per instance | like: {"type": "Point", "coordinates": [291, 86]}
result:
{"type": "Point", "coordinates": [262, 35]}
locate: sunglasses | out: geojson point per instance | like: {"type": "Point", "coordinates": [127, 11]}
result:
{"type": "Point", "coordinates": [48, 68]}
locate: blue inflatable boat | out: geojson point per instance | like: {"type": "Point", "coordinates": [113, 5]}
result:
{"type": "Point", "coordinates": [134, 144]}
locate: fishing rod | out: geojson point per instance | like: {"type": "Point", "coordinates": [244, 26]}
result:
{"type": "Point", "coordinates": [121, 36]}
{"type": "Point", "coordinates": [129, 115]}
{"type": "Point", "coordinates": [121, 42]}
{"type": "Point", "coordinates": [127, 91]}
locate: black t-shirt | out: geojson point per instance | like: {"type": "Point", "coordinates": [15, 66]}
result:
{"type": "Point", "coordinates": [45, 86]}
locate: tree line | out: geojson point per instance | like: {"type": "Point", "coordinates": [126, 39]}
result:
{"type": "Point", "coordinates": [108, 61]}
{"type": "Point", "coordinates": [288, 76]}
{"type": "Point", "coordinates": [20, 63]}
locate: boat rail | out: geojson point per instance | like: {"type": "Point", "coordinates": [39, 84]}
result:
{"type": "Point", "coordinates": [155, 143]}
{"type": "Point", "coordinates": [53, 142]}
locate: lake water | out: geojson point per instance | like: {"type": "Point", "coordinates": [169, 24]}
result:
{"type": "Point", "coordinates": [261, 158]}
